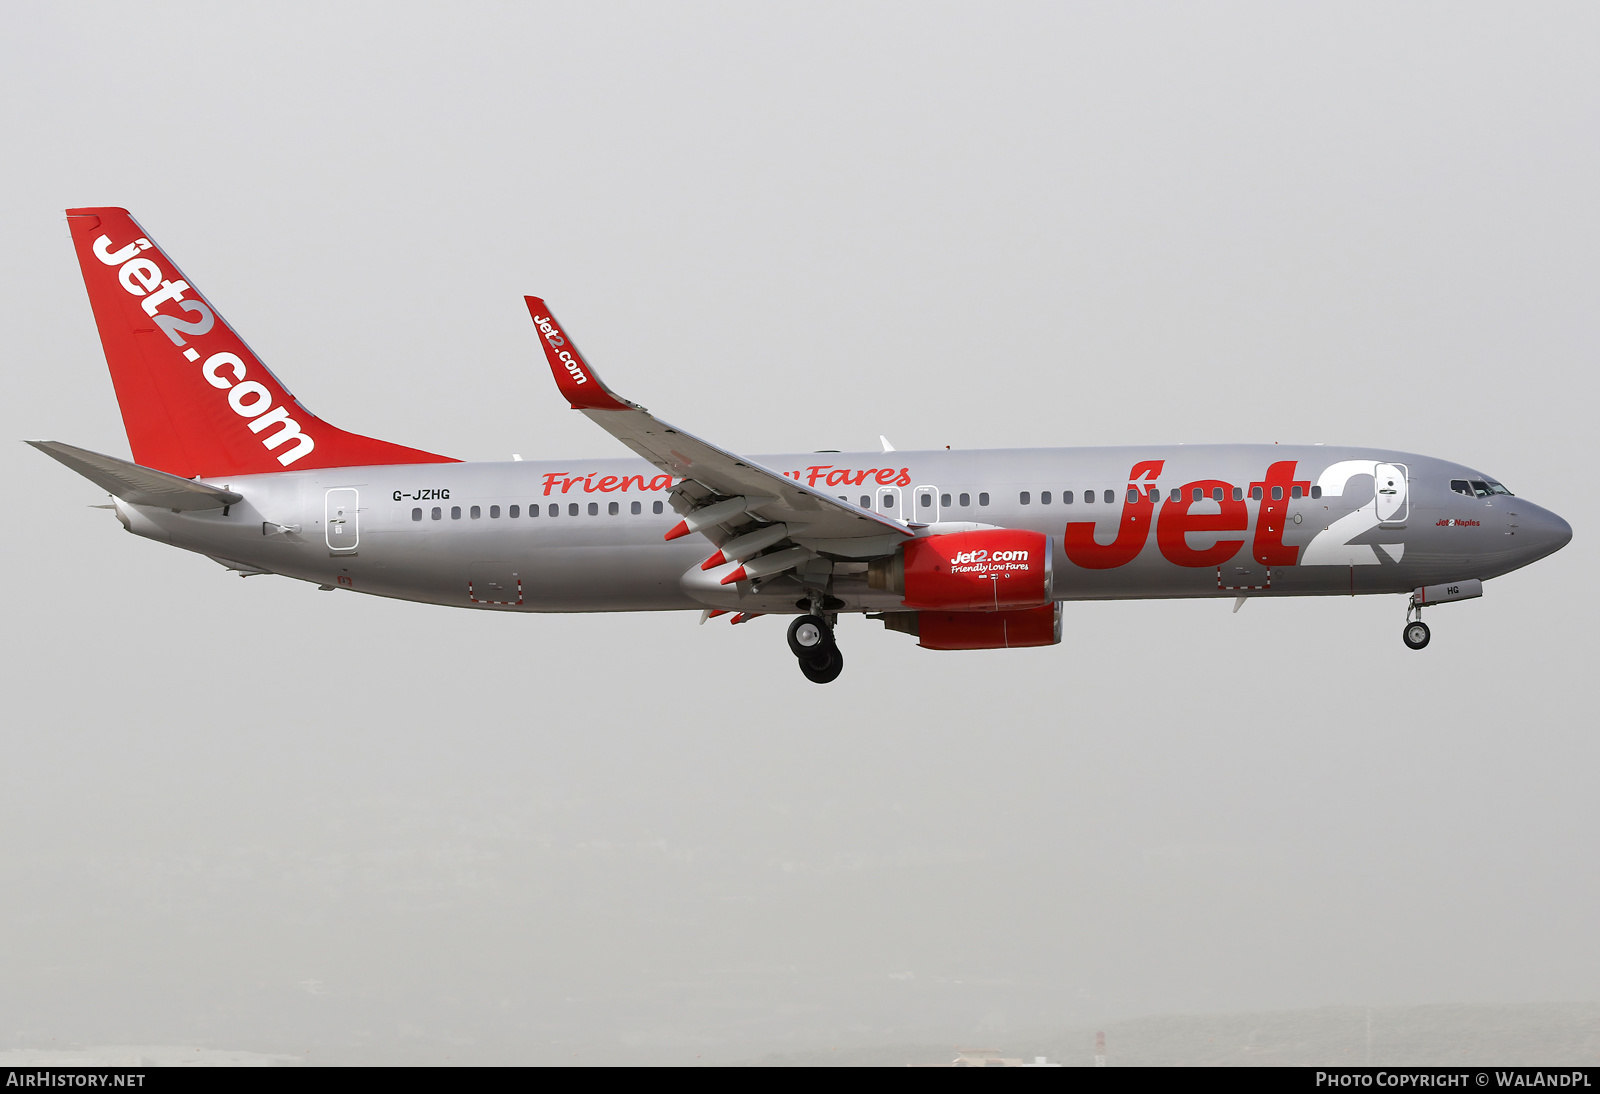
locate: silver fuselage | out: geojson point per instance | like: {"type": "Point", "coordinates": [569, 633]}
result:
{"type": "Point", "coordinates": [446, 533]}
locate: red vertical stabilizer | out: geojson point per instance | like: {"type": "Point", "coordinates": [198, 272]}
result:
{"type": "Point", "coordinates": [195, 400]}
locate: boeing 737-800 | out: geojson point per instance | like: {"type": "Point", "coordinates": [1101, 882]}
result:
{"type": "Point", "coordinates": [962, 549]}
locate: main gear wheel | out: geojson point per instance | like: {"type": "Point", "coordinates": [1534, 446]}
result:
{"type": "Point", "coordinates": [811, 642]}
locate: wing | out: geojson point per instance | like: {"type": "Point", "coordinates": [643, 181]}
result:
{"type": "Point", "coordinates": [728, 485]}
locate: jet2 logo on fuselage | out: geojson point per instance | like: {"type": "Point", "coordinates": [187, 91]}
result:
{"type": "Point", "coordinates": [1229, 520]}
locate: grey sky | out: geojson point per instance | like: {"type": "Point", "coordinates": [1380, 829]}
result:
{"type": "Point", "coordinates": [249, 815]}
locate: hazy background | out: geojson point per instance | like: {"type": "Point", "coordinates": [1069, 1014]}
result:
{"type": "Point", "coordinates": [247, 815]}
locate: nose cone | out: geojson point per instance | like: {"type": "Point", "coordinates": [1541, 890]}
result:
{"type": "Point", "coordinates": [1543, 532]}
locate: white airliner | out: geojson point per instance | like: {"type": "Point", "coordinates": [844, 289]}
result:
{"type": "Point", "coordinates": [964, 550]}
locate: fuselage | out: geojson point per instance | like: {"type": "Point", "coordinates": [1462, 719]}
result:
{"type": "Point", "coordinates": [1125, 522]}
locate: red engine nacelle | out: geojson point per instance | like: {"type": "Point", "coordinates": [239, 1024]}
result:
{"type": "Point", "coordinates": [990, 570]}
{"type": "Point", "coordinates": [980, 630]}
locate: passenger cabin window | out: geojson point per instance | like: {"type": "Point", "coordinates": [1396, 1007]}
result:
{"type": "Point", "coordinates": [554, 510]}
{"type": "Point", "coordinates": [983, 499]}
{"type": "Point", "coordinates": [866, 502]}
{"type": "Point", "coordinates": [1238, 492]}
{"type": "Point", "coordinates": [1277, 493]}
{"type": "Point", "coordinates": [1088, 497]}
{"type": "Point", "coordinates": [656, 508]}
{"type": "Point", "coordinates": [437, 512]}
{"type": "Point", "coordinates": [1196, 494]}
{"type": "Point", "coordinates": [1044, 497]}
{"type": "Point", "coordinates": [613, 509]}
{"type": "Point", "coordinates": [572, 509]}
{"type": "Point", "coordinates": [416, 514]}
{"type": "Point", "coordinates": [1133, 495]}
{"type": "Point", "coordinates": [476, 512]}
{"type": "Point", "coordinates": [966, 499]}
{"type": "Point", "coordinates": [455, 512]}
{"type": "Point", "coordinates": [1297, 492]}
{"type": "Point", "coordinates": [1216, 493]}
{"type": "Point", "coordinates": [594, 509]}
{"type": "Point", "coordinates": [925, 500]}
{"type": "Point", "coordinates": [1316, 491]}
{"type": "Point", "coordinates": [1111, 496]}
{"type": "Point", "coordinates": [1024, 497]}
{"type": "Point", "coordinates": [1174, 495]}
{"type": "Point", "coordinates": [944, 499]}
{"type": "Point", "coordinates": [889, 502]}
{"type": "Point", "coordinates": [514, 512]}
{"type": "Point", "coordinates": [1255, 493]}
{"type": "Point", "coordinates": [635, 508]}
{"type": "Point", "coordinates": [494, 512]}
{"type": "Point", "coordinates": [1066, 497]}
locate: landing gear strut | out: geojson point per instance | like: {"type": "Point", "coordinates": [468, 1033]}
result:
{"type": "Point", "coordinates": [1415, 633]}
{"type": "Point", "coordinates": [811, 642]}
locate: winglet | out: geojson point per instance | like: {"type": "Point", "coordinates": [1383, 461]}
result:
{"type": "Point", "coordinates": [577, 381]}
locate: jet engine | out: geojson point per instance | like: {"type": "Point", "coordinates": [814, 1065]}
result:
{"type": "Point", "coordinates": [979, 630]}
{"type": "Point", "coordinates": [988, 570]}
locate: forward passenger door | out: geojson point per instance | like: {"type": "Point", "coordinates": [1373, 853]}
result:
{"type": "Point", "coordinates": [1389, 489]}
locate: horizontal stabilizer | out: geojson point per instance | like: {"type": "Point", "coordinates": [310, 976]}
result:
{"type": "Point", "coordinates": [136, 484]}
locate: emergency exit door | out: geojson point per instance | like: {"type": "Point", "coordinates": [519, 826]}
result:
{"type": "Point", "coordinates": [342, 520]}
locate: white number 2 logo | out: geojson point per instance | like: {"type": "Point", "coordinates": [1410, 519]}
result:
{"type": "Point", "coordinates": [1332, 546]}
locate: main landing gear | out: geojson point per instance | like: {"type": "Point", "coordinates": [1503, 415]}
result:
{"type": "Point", "coordinates": [1415, 633]}
{"type": "Point", "coordinates": [811, 641]}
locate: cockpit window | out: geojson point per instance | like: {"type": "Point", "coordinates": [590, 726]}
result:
{"type": "Point", "coordinates": [1478, 488]}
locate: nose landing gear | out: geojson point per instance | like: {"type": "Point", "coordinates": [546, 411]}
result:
{"type": "Point", "coordinates": [811, 642]}
{"type": "Point", "coordinates": [1415, 634]}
